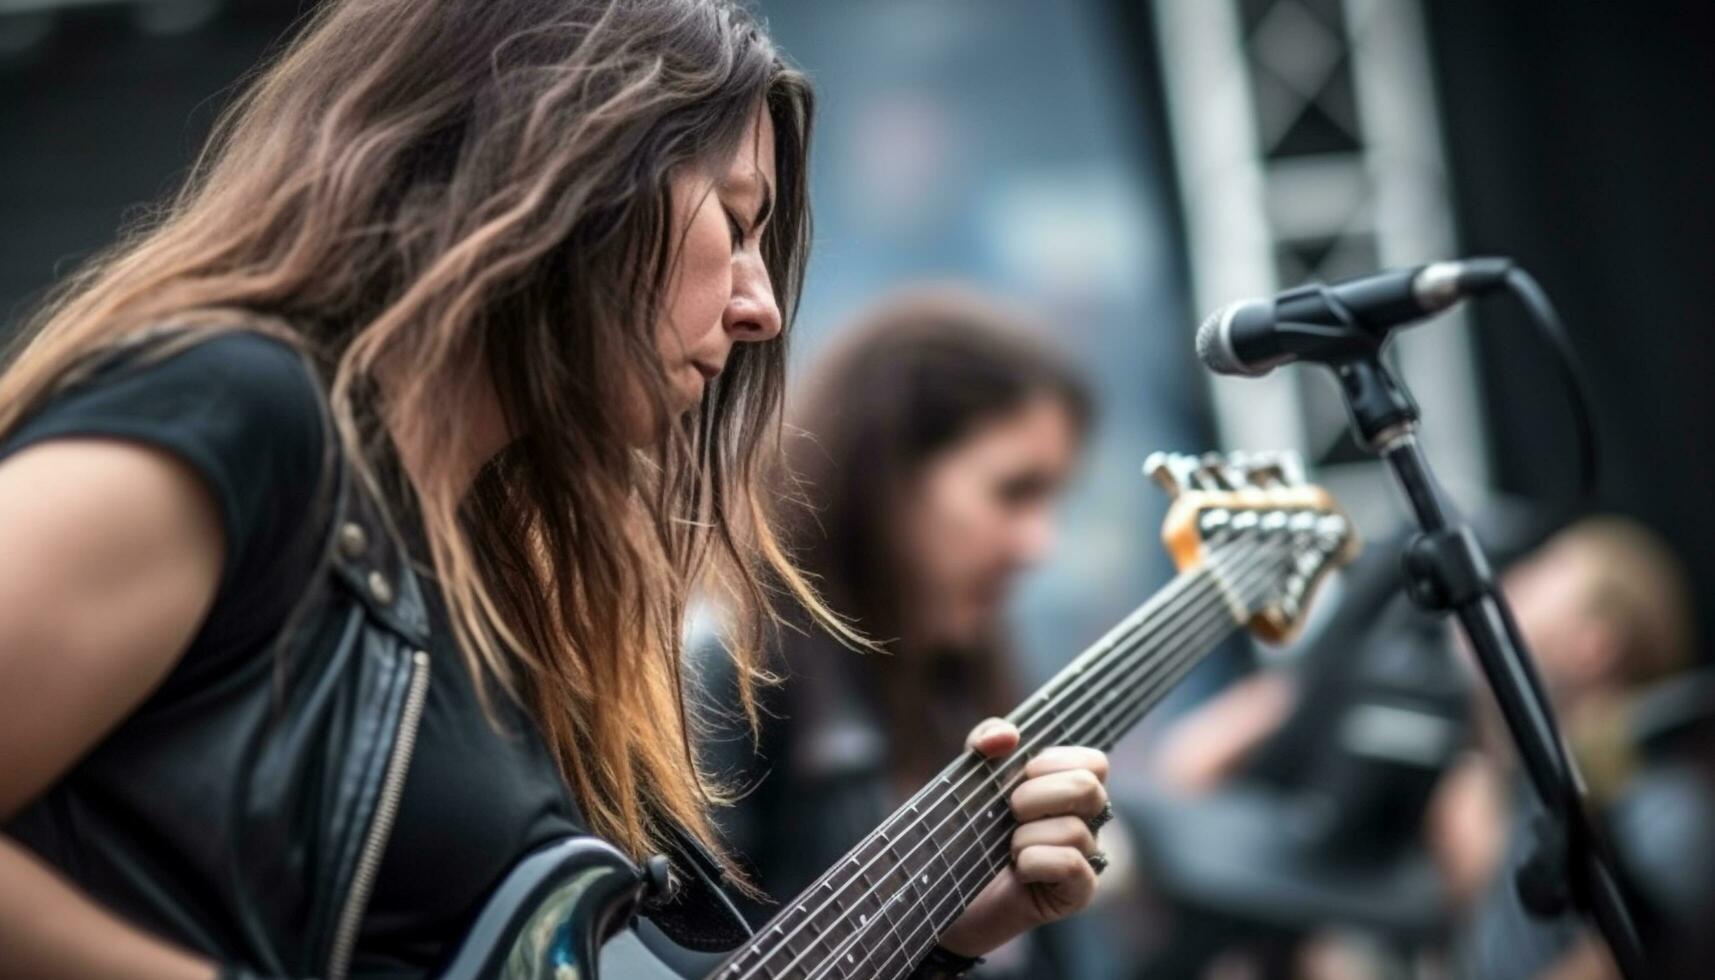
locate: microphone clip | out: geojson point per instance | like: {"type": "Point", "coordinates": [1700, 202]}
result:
{"type": "Point", "coordinates": [1380, 407]}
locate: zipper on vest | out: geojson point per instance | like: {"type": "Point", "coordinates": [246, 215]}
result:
{"type": "Point", "coordinates": [386, 808]}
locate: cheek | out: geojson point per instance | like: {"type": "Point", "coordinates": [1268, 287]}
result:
{"type": "Point", "coordinates": [702, 282]}
{"type": "Point", "coordinates": [960, 530]}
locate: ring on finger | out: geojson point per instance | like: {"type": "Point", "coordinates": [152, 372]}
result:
{"type": "Point", "coordinates": [1101, 819]}
{"type": "Point", "coordinates": [1098, 861]}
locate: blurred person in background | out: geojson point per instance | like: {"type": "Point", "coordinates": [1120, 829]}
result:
{"type": "Point", "coordinates": [931, 445]}
{"type": "Point", "coordinates": [496, 290]}
{"type": "Point", "coordinates": [1605, 609]}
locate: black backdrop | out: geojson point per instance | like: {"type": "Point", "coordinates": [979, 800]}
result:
{"type": "Point", "coordinates": [1580, 142]}
{"type": "Point", "coordinates": [101, 117]}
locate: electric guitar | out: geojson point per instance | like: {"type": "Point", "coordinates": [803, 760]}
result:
{"type": "Point", "coordinates": [1251, 540]}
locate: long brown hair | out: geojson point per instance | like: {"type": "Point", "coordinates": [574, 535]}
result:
{"type": "Point", "coordinates": [916, 375]}
{"type": "Point", "coordinates": [469, 195]}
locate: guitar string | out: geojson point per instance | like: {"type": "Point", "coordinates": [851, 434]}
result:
{"type": "Point", "coordinates": [1145, 691]}
{"type": "Point", "coordinates": [1142, 618]}
{"type": "Point", "coordinates": [1110, 645]}
{"type": "Point", "coordinates": [990, 846]}
{"type": "Point", "coordinates": [1139, 698]}
{"type": "Point", "coordinates": [971, 763]}
{"type": "Point", "coordinates": [1119, 651]}
{"type": "Point", "coordinates": [990, 861]}
{"type": "Point", "coordinates": [995, 846]}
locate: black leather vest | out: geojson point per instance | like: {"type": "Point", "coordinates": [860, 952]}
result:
{"type": "Point", "coordinates": [247, 820]}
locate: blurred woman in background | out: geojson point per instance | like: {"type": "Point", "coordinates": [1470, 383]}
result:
{"type": "Point", "coordinates": [931, 446]}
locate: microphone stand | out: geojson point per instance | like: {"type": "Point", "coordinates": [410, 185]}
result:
{"type": "Point", "coordinates": [1570, 864]}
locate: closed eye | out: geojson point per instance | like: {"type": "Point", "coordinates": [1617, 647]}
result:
{"type": "Point", "coordinates": [1025, 488]}
{"type": "Point", "coordinates": [735, 228]}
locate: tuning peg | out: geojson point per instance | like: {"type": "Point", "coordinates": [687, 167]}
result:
{"type": "Point", "coordinates": [1248, 469]}
{"type": "Point", "coordinates": [1331, 531]}
{"type": "Point", "coordinates": [1266, 475]}
{"type": "Point", "coordinates": [1175, 472]}
{"type": "Point", "coordinates": [1212, 474]}
{"type": "Point", "coordinates": [1158, 466]}
{"type": "Point", "coordinates": [1291, 466]}
{"type": "Point", "coordinates": [1309, 563]}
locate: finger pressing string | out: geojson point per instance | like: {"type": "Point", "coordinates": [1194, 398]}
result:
{"type": "Point", "coordinates": [1077, 792]}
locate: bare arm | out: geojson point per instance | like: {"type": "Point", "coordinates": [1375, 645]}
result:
{"type": "Point", "coordinates": [113, 554]}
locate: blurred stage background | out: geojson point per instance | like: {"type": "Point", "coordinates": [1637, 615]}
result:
{"type": "Point", "coordinates": [1040, 150]}
{"type": "Point", "coordinates": [1123, 168]}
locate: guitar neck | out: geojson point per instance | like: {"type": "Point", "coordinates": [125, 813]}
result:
{"type": "Point", "coordinates": [881, 908]}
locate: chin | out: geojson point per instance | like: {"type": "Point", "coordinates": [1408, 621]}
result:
{"type": "Point", "coordinates": [690, 393]}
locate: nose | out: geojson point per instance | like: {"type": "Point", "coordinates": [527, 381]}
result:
{"type": "Point", "coordinates": [752, 314]}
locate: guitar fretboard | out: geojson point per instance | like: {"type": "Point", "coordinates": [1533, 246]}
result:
{"type": "Point", "coordinates": [880, 910]}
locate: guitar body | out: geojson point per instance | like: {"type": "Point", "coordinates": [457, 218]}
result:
{"type": "Point", "coordinates": [562, 914]}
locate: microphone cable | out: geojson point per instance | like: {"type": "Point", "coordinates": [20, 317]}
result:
{"type": "Point", "coordinates": [1549, 326]}
{"type": "Point", "coordinates": [1573, 380]}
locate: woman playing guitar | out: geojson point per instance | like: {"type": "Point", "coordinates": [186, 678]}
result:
{"type": "Point", "coordinates": [351, 503]}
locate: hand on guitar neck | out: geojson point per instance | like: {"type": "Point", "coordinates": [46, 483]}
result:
{"type": "Point", "coordinates": [1050, 876]}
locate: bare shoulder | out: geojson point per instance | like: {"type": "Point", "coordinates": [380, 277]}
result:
{"type": "Point", "coordinates": [113, 556]}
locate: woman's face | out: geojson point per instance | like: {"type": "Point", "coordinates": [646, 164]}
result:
{"type": "Point", "coordinates": [719, 293]}
{"type": "Point", "coordinates": [980, 512]}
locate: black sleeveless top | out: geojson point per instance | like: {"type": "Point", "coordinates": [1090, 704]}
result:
{"type": "Point", "coordinates": [243, 411]}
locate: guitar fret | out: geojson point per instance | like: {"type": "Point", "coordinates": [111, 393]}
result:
{"type": "Point", "coordinates": [835, 928]}
{"type": "Point", "coordinates": [787, 939]}
{"type": "Point", "coordinates": [757, 969]}
{"type": "Point", "coordinates": [996, 812]}
{"type": "Point", "coordinates": [868, 900]}
{"type": "Point", "coordinates": [892, 883]}
{"type": "Point", "coordinates": [825, 943]}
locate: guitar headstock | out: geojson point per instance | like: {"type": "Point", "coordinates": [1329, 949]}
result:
{"type": "Point", "coordinates": [1255, 523]}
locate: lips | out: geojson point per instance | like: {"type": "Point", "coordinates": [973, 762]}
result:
{"type": "Point", "coordinates": [708, 371]}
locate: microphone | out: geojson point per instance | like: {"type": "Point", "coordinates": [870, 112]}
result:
{"type": "Point", "coordinates": [1330, 323]}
